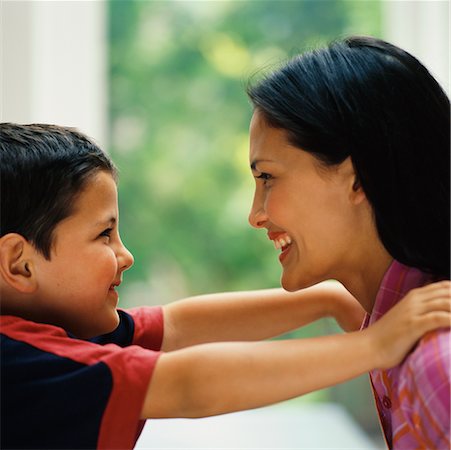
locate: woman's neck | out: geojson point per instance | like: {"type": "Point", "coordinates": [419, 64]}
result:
{"type": "Point", "coordinates": [366, 278]}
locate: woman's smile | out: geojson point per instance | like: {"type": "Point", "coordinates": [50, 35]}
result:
{"type": "Point", "coordinates": [282, 241]}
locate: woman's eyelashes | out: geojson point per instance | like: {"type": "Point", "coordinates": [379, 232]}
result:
{"type": "Point", "coordinates": [265, 177]}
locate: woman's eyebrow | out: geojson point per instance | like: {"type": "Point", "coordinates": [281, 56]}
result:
{"type": "Point", "coordinates": [258, 161]}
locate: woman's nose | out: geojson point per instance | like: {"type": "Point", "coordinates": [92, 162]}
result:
{"type": "Point", "coordinates": [258, 216]}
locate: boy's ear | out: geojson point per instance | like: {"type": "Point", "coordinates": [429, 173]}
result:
{"type": "Point", "coordinates": [16, 263]}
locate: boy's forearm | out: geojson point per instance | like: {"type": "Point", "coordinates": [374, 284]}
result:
{"type": "Point", "coordinates": [243, 316]}
{"type": "Point", "coordinates": [219, 378]}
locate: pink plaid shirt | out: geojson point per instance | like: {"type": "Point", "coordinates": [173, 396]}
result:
{"type": "Point", "coordinates": [413, 398]}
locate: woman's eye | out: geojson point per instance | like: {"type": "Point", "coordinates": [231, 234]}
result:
{"type": "Point", "coordinates": [265, 177]}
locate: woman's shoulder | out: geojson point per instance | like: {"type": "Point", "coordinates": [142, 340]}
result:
{"type": "Point", "coordinates": [428, 366]}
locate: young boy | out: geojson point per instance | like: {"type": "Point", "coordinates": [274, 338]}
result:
{"type": "Point", "coordinates": [79, 373]}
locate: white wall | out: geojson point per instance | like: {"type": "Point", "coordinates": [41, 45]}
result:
{"type": "Point", "coordinates": [54, 64]}
{"type": "Point", "coordinates": [422, 28]}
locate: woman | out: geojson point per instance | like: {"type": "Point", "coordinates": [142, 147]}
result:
{"type": "Point", "coordinates": [349, 146]}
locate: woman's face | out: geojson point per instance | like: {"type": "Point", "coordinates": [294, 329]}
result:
{"type": "Point", "coordinates": [314, 215]}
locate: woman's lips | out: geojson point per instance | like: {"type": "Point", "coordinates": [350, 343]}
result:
{"type": "Point", "coordinates": [285, 251]}
{"type": "Point", "coordinates": [282, 241]}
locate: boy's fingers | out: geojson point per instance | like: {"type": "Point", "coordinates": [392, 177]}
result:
{"type": "Point", "coordinates": [437, 319]}
{"type": "Point", "coordinates": [440, 285]}
{"type": "Point", "coordinates": [439, 303]}
{"type": "Point", "coordinates": [433, 293]}
{"type": "Point", "coordinates": [443, 283]}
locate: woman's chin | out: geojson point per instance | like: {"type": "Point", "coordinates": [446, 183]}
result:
{"type": "Point", "coordinates": [292, 284]}
{"type": "Point", "coordinates": [289, 284]}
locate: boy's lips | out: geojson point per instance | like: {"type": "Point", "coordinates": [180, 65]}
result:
{"type": "Point", "coordinates": [115, 284]}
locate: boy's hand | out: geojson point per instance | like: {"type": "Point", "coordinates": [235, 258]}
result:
{"type": "Point", "coordinates": [421, 310]}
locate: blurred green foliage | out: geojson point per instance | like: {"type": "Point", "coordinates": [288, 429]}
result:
{"type": "Point", "coordinates": [179, 119]}
{"type": "Point", "coordinates": [179, 134]}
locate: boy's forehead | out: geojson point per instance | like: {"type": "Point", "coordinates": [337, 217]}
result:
{"type": "Point", "coordinates": [98, 200]}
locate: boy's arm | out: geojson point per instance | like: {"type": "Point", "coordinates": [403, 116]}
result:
{"type": "Point", "coordinates": [255, 315]}
{"type": "Point", "coordinates": [217, 378]}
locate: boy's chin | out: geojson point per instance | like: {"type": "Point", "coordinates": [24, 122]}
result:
{"type": "Point", "coordinates": [112, 324]}
{"type": "Point", "coordinates": [99, 328]}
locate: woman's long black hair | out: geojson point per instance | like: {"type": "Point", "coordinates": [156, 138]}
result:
{"type": "Point", "coordinates": [368, 99]}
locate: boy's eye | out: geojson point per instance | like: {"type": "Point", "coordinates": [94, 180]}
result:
{"type": "Point", "coordinates": [106, 232]}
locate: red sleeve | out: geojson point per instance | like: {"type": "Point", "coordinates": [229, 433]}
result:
{"type": "Point", "coordinates": [149, 326]}
{"type": "Point", "coordinates": [131, 369]}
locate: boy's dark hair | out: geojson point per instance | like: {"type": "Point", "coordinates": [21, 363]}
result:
{"type": "Point", "coordinates": [43, 170]}
{"type": "Point", "coordinates": [367, 99]}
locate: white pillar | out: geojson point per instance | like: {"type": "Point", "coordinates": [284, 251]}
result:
{"type": "Point", "coordinates": [422, 28]}
{"type": "Point", "coordinates": [53, 64]}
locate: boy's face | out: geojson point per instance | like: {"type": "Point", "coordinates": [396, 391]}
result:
{"type": "Point", "coordinates": [76, 287]}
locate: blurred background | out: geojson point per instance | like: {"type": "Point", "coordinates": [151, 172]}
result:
{"type": "Point", "coordinates": [161, 86]}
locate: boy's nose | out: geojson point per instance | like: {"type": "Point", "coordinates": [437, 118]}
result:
{"type": "Point", "coordinates": [125, 258]}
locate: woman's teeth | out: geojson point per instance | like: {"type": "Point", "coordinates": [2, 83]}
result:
{"type": "Point", "coordinates": [282, 241]}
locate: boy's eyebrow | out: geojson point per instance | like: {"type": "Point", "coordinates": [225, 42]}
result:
{"type": "Point", "coordinates": [109, 221]}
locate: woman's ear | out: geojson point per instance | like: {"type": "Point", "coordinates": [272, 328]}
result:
{"type": "Point", "coordinates": [16, 263]}
{"type": "Point", "coordinates": [357, 195]}
{"type": "Point", "coordinates": [355, 190]}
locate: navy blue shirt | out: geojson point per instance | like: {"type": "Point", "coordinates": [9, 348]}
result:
{"type": "Point", "coordinates": [59, 392]}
